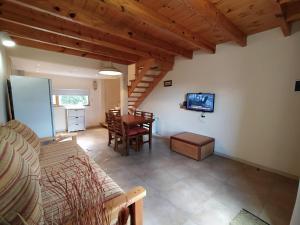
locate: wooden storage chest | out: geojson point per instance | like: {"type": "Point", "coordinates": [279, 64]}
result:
{"type": "Point", "coordinates": [192, 145]}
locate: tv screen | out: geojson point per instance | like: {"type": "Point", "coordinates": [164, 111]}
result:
{"type": "Point", "coordinates": [203, 102]}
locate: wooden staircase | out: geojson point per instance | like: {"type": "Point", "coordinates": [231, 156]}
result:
{"type": "Point", "coordinates": [149, 73]}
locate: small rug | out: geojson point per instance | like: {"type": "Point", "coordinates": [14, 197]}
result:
{"type": "Point", "coordinates": [246, 218]}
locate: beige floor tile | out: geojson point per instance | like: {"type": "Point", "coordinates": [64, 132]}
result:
{"type": "Point", "coordinates": [185, 198]}
{"type": "Point", "coordinates": [204, 183]}
{"type": "Point", "coordinates": [214, 213]}
{"type": "Point", "coordinates": [160, 211]}
{"type": "Point", "coordinates": [182, 191]}
{"type": "Point", "coordinates": [276, 214]}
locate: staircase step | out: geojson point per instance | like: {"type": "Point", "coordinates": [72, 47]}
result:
{"type": "Point", "coordinates": [138, 92]}
{"type": "Point", "coordinates": [133, 97]}
{"type": "Point", "coordinates": [153, 72]}
{"type": "Point", "coordinates": [142, 87]}
{"type": "Point", "coordinates": [151, 75]}
{"type": "Point", "coordinates": [154, 68]}
{"type": "Point", "coordinates": [146, 81]}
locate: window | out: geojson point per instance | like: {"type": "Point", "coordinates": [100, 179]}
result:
{"type": "Point", "coordinates": [73, 100]}
{"type": "Point", "coordinates": [70, 97]}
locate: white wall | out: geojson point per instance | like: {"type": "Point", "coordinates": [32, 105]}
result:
{"type": "Point", "coordinates": [47, 62]}
{"type": "Point", "coordinates": [124, 92]}
{"type": "Point", "coordinates": [60, 121]}
{"type": "Point", "coordinates": [257, 113]}
{"type": "Point", "coordinates": [131, 73]}
{"type": "Point", "coordinates": [112, 93]}
{"type": "Point", "coordinates": [4, 73]}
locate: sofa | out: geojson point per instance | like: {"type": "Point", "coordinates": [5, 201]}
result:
{"type": "Point", "coordinates": [24, 163]}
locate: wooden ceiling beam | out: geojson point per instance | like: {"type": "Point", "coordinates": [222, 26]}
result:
{"type": "Point", "coordinates": [67, 10]}
{"type": "Point", "coordinates": [211, 13]}
{"type": "Point", "coordinates": [54, 48]}
{"type": "Point", "coordinates": [49, 23]}
{"type": "Point", "coordinates": [292, 11]}
{"type": "Point", "coordinates": [138, 11]}
{"type": "Point", "coordinates": [21, 30]}
{"type": "Point", "coordinates": [286, 1]}
{"type": "Point", "coordinates": [281, 17]}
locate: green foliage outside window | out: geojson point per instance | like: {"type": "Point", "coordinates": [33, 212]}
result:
{"type": "Point", "coordinates": [73, 100]}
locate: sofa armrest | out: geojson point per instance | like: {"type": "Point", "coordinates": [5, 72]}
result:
{"type": "Point", "coordinates": [132, 199]}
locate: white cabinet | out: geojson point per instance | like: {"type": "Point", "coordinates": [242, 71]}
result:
{"type": "Point", "coordinates": [75, 119]}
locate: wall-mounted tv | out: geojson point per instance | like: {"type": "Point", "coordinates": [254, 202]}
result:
{"type": "Point", "coordinates": [203, 102]}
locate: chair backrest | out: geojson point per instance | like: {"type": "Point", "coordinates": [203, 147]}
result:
{"type": "Point", "coordinates": [138, 113]}
{"type": "Point", "coordinates": [117, 124]}
{"type": "Point", "coordinates": [148, 115]}
{"type": "Point", "coordinates": [109, 120]}
{"type": "Point", "coordinates": [116, 112]}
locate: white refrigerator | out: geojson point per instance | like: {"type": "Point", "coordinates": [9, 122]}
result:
{"type": "Point", "coordinates": [31, 103]}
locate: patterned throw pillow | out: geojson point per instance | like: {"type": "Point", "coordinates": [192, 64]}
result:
{"type": "Point", "coordinates": [27, 134]}
{"type": "Point", "coordinates": [19, 192]}
{"type": "Point", "coordinates": [21, 146]}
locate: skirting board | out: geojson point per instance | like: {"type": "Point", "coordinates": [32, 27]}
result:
{"type": "Point", "coordinates": [294, 177]}
{"type": "Point", "coordinates": [291, 176]}
{"type": "Point", "coordinates": [59, 131]}
{"type": "Point", "coordinates": [93, 126]}
{"type": "Point", "coordinates": [88, 127]}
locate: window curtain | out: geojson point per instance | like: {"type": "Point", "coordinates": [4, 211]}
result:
{"type": "Point", "coordinates": [71, 92]}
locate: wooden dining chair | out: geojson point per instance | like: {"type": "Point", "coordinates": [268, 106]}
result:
{"type": "Point", "coordinates": [138, 113]}
{"type": "Point", "coordinates": [116, 112]}
{"type": "Point", "coordinates": [110, 128]}
{"type": "Point", "coordinates": [124, 134]}
{"type": "Point", "coordinates": [146, 128]}
{"type": "Point", "coordinates": [109, 117]}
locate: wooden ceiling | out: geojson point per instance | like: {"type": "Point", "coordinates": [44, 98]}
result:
{"type": "Point", "coordinates": [126, 31]}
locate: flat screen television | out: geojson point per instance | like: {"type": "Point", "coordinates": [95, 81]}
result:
{"type": "Point", "coordinates": [203, 102]}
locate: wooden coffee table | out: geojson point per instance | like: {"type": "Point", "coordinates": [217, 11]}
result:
{"type": "Point", "coordinates": [192, 145]}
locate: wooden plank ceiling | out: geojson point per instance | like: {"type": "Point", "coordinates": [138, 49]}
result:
{"type": "Point", "coordinates": [126, 31]}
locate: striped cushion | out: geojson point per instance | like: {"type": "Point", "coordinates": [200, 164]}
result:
{"type": "Point", "coordinates": [27, 134]}
{"type": "Point", "coordinates": [19, 193]}
{"type": "Point", "coordinates": [51, 157]}
{"type": "Point", "coordinates": [21, 146]}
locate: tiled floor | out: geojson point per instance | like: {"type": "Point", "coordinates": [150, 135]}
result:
{"type": "Point", "coordinates": [181, 191]}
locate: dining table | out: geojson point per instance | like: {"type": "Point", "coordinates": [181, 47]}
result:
{"type": "Point", "coordinates": [132, 120]}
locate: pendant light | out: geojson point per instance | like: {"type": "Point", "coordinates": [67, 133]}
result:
{"type": "Point", "coordinates": [110, 71]}
{"type": "Point", "coordinates": [6, 40]}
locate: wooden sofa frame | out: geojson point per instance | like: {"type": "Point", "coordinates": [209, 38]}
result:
{"type": "Point", "coordinates": [132, 199]}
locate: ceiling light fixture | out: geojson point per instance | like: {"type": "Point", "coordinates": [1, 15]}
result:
{"type": "Point", "coordinates": [6, 40]}
{"type": "Point", "coordinates": [110, 71]}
